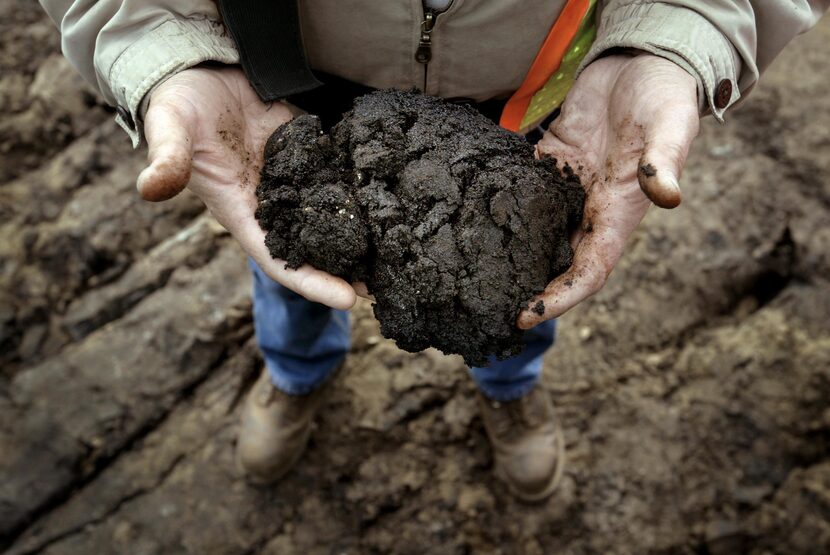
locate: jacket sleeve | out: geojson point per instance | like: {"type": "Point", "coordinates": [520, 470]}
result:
{"type": "Point", "coordinates": [124, 48]}
{"type": "Point", "coordinates": [720, 42]}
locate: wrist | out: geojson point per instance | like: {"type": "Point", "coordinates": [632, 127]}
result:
{"type": "Point", "coordinates": [680, 35]}
{"type": "Point", "coordinates": [172, 47]}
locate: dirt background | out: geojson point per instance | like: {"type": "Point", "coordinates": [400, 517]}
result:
{"type": "Point", "coordinates": [693, 390]}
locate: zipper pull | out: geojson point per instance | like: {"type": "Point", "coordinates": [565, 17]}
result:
{"type": "Point", "coordinates": [424, 53]}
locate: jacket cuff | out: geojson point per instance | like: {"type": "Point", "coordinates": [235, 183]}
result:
{"type": "Point", "coordinates": [678, 34]}
{"type": "Point", "coordinates": [173, 46]}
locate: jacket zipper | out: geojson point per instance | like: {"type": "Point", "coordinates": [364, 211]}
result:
{"type": "Point", "coordinates": [423, 54]}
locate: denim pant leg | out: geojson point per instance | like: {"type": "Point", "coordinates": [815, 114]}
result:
{"type": "Point", "coordinates": [509, 379]}
{"type": "Point", "coordinates": [302, 342]}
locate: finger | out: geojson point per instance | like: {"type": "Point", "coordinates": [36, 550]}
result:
{"type": "Point", "coordinates": [170, 155]}
{"type": "Point", "coordinates": [660, 186]}
{"type": "Point", "coordinates": [313, 284]}
{"type": "Point", "coordinates": [363, 291]}
{"type": "Point", "coordinates": [667, 142]}
{"type": "Point", "coordinates": [596, 255]}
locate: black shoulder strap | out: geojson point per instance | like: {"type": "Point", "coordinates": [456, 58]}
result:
{"type": "Point", "coordinates": [267, 35]}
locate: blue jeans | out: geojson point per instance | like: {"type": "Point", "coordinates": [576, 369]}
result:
{"type": "Point", "coordinates": [304, 342]}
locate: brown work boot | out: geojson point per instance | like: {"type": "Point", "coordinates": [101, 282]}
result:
{"type": "Point", "coordinates": [274, 430]}
{"type": "Point", "coordinates": [527, 443]}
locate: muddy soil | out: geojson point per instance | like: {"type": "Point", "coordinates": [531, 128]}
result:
{"type": "Point", "coordinates": [693, 390]}
{"type": "Point", "coordinates": [449, 220]}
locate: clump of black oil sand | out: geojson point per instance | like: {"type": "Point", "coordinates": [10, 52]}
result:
{"type": "Point", "coordinates": [449, 219]}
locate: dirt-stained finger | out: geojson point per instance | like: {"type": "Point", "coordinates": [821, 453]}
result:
{"type": "Point", "coordinates": [313, 284]}
{"type": "Point", "coordinates": [562, 294]}
{"type": "Point", "coordinates": [169, 155]}
{"type": "Point", "coordinates": [668, 137]}
{"type": "Point", "coordinates": [659, 185]}
{"type": "Point", "coordinates": [595, 257]}
{"type": "Point", "coordinates": [163, 179]}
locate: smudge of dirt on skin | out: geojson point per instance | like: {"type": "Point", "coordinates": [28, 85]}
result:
{"type": "Point", "coordinates": [229, 130]}
{"type": "Point", "coordinates": [626, 148]}
{"type": "Point", "coordinates": [648, 170]}
{"type": "Point", "coordinates": [610, 169]}
{"type": "Point", "coordinates": [631, 133]}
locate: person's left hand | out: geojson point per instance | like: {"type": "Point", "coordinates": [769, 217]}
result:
{"type": "Point", "coordinates": [625, 128]}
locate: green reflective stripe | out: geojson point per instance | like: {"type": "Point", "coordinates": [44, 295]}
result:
{"type": "Point", "coordinates": [551, 95]}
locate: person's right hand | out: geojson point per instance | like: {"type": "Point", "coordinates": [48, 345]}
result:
{"type": "Point", "coordinates": [206, 130]}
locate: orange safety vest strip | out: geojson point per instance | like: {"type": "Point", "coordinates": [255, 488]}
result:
{"type": "Point", "coordinates": [546, 63]}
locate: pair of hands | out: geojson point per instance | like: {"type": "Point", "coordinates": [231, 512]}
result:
{"type": "Point", "coordinates": [625, 127]}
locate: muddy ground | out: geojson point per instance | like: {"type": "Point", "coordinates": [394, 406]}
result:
{"type": "Point", "coordinates": [693, 390]}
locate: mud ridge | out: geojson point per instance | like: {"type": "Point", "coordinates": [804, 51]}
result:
{"type": "Point", "coordinates": [100, 464]}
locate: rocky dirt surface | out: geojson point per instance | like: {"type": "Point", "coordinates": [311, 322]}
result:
{"type": "Point", "coordinates": [693, 390]}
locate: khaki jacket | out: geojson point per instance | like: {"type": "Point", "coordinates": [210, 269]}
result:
{"type": "Point", "coordinates": [481, 49]}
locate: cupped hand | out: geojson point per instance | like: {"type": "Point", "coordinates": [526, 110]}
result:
{"type": "Point", "coordinates": [206, 130]}
{"type": "Point", "coordinates": [625, 128]}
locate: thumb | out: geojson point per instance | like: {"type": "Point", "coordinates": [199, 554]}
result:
{"type": "Point", "coordinates": [667, 143]}
{"type": "Point", "coordinates": [170, 156]}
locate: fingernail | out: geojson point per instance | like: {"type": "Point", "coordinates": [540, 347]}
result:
{"type": "Point", "coordinates": [672, 195]}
